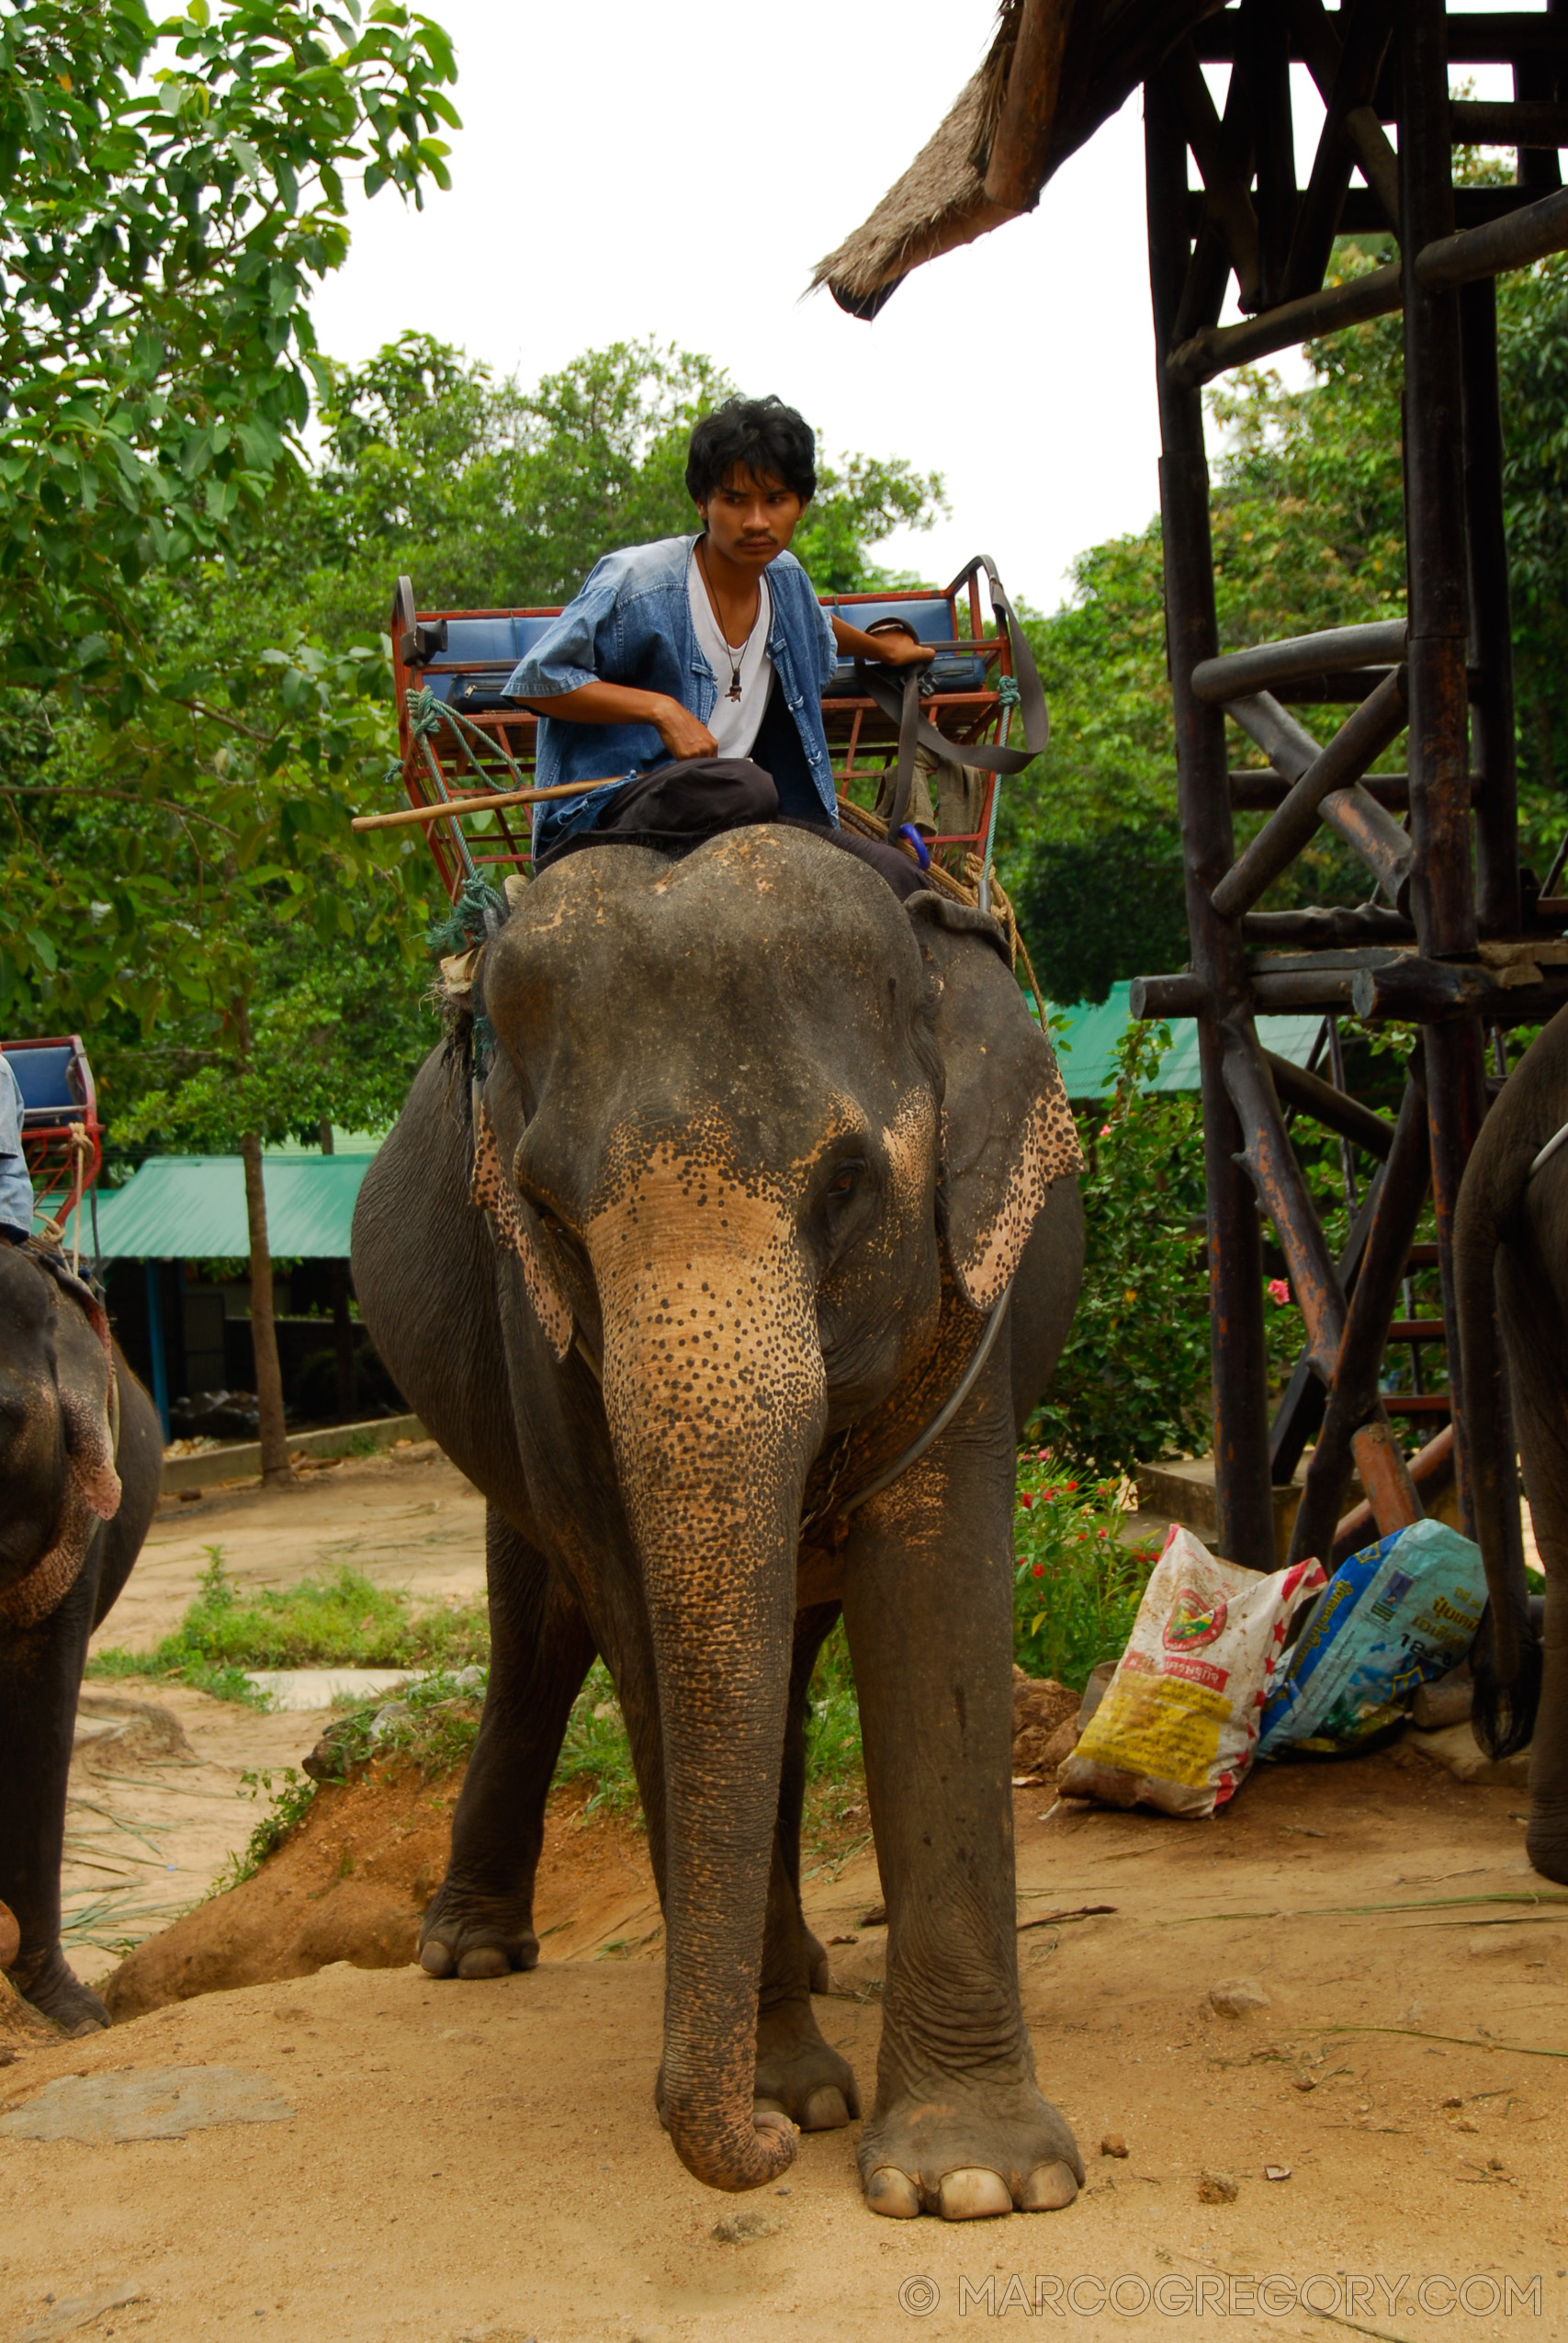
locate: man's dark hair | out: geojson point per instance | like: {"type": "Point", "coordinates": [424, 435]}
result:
{"type": "Point", "coordinates": [770, 439]}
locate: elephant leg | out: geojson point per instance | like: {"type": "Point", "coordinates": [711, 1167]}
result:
{"type": "Point", "coordinates": [960, 2125]}
{"type": "Point", "coordinates": [1544, 1451]}
{"type": "Point", "coordinates": [797, 2073]}
{"type": "Point", "coordinates": [40, 1673]}
{"type": "Point", "coordinates": [481, 1921]}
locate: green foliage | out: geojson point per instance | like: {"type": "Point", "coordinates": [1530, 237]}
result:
{"type": "Point", "coordinates": [596, 1748]}
{"type": "Point", "coordinates": [1076, 1581]}
{"type": "Point", "coordinates": [172, 194]}
{"type": "Point", "coordinates": [1133, 1381]}
{"type": "Point", "coordinates": [287, 1808]}
{"type": "Point", "coordinates": [344, 1622]}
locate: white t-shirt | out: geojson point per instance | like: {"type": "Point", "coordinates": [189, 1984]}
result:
{"type": "Point", "coordinates": [733, 722]}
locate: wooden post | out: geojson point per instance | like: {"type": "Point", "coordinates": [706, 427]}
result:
{"type": "Point", "coordinates": [272, 1427]}
{"type": "Point", "coordinates": [1243, 1500]}
{"type": "Point", "coordinates": [1441, 896]}
{"type": "Point", "coordinates": [1490, 629]}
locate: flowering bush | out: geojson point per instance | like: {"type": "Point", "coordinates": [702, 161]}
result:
{"type": "Point", "coordinates": [1076, 1581]}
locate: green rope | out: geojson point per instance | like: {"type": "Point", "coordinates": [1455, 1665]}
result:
{"type": "Point", "coordinates": [1007, 691]}
{"type": "Point", "coordinates": [465, 924]}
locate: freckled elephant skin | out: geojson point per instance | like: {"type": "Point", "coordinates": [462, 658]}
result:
{"type": "Point", "coordinates": [773, 1145]}
{"type": "Point", "coordinates": [72, 1522]}
{"type": "Point", "coordinates": [1511, 1255]}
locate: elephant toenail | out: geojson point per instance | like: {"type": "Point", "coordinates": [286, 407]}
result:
{"type": "Point", "coordinates": [768, 2107]}
{"type": "Point", "coordinates": [825, 2109]}
{"type": "Point", "coordinates": [773, 2119]}
{"type": "Point", "coordinates": [891, 2192]}
{"type": "Point", "coordinates": [436, 1958]}
{"type": "Point", "coordinates": [974, 2194]}
{"type": "Point", "coordinates": [1048, 2188]}
{"type": "Point", "coordinates": [484, 1961]}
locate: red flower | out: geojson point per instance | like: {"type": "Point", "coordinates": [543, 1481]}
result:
{"type": "Point", "coordinates": [1039, 1569]}
{"type": "Point", "coordinates": [1025, 1497]}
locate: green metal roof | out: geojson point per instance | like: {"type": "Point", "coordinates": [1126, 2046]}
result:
{"type": "Point", "coordinates": [193, 1208]}
{"type": "Point", "coordinates": [1087, 1048]}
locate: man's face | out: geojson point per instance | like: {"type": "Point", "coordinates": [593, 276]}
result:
{"type": "Point", "coordinates": [750, 521]}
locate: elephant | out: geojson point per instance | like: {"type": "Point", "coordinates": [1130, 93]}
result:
{"type": "Point", "coordinates": [1511, 1275]}
{"type": "Point", "coordinates": [81, 1465]}
{"type": "Point", "coordinates": [765, 1155]}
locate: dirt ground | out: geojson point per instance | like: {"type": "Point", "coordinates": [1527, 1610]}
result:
{"type": "Point", "coordinates": [482, 2159]}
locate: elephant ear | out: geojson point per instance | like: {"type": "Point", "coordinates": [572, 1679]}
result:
{"type": "Point", "coordinates": [517, 1230]}
{"type": "Point", "coordinates": [1007, 1131]}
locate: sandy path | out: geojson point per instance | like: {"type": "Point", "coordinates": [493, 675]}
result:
{"type": "Point", "coordinates": [483, 2160]}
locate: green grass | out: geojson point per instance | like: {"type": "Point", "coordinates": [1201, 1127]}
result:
{"type": "Point", "coordinates": [343, 1622]}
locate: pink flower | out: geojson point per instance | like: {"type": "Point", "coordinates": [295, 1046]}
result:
{"type": "Point", "coordinates": [1105, 1130]}
{"type": "Point", "coordinates": [1279, 1291]}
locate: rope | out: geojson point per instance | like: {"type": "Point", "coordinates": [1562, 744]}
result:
{"type": "Point", "coordinates": [474, 918]}
{"type": "Point", "coordinates": [53, 1232]}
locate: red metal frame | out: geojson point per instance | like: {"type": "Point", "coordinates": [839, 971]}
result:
{"type": "Point", "coordinates": [48, 1144]}
{"type": "Point", "coordinates": [861, 739]}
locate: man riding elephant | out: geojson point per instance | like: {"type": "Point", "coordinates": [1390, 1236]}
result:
{"type": "Point", "coordinates": [81, 1461]}
{"type": "Point", "coordinates": [731, 1277]}
{"type": "Point", "coordinates": [691, 670]}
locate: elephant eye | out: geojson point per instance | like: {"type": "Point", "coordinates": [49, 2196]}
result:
{"type": "Point", "coordinates": [845, 1180]}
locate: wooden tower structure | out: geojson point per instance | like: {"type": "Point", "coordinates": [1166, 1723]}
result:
{"type": "Point", "coordinates": [1455, 938]}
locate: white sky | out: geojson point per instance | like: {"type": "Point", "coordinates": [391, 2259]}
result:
{"type": "Point", "coordinates": [627, 171]}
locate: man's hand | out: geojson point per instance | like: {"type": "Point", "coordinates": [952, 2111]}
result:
{"type": "Point", "coordinates": [681, 733]}
{"type": "Point", "coordinates": [895, 648]}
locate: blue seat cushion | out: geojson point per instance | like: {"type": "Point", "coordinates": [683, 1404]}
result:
{"type": "Point", "coordinates": [43, 1077]}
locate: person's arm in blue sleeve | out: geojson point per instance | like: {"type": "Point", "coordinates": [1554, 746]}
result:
{"type": "Point", "coordinates": [16, 1187]}
{"type": "Point", "coordinates": [562, 675]}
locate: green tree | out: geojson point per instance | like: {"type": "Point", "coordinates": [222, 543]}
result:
{"type": "Point", "coordinates": [172, 193]}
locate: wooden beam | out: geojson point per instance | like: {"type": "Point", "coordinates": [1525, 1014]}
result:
{"type": "Point", "coordinates": [1375, 724]}
{"type": "Point", "coordinates": [1016, 165]}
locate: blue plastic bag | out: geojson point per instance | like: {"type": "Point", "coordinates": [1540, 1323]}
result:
{"type": "Point", "coordinates": [1390, 1619]}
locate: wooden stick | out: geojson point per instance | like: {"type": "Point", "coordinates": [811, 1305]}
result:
{"type": "Point", "coordinates": [478, 804]}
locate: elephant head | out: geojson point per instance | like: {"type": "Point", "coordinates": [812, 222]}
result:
{"type": "Point", "coordinates": [57, 1467]}
{"type": "Point", "coordinates": [740, 1106]}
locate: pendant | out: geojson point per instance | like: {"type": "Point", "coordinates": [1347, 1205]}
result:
{"type": "Point", "coordinates": [734, 691]}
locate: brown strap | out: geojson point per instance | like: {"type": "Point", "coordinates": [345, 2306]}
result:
{"type": "Point", "coordinates": [902, 706]}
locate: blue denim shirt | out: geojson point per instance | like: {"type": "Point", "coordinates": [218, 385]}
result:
{"type": "Point", "coordinates": [631, 623]}
{"type": "Point", "coordinates": [16, 1188]}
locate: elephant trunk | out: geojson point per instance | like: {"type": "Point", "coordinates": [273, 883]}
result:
{"type": "Point", "coordinates": [715, 1393]}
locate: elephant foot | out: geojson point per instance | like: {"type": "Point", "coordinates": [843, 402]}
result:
{"type": "Point", "coordinates": [470, 1936]}
{"type": "Point", "coordinates": [1546, 1842]}
{"type": "Point", "coordinates": [817, 1965]}
{"type": "Point", "coordinates": [50, 1987]}
{"type": "Point", "coordinates": [969, 2153]}
{"type": "Point", "coordinates": [798, 2076]}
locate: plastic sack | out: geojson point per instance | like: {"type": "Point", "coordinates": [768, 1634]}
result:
{"type": "Point", "coordinates": [1177, 1728]}
{"type": "Point", "coordinates": [1392, 1617]}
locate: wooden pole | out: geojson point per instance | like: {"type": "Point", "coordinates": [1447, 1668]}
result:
{"type": "Point", "coordinates": [490, 803]}
{"type": "Point", "coordinates": [1442, 900]}
{"type": "Point", "coordinates": [1243, 1503]}
{"type": "Point", "coordinates": [1490, 625]}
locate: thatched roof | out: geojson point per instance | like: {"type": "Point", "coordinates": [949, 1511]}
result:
{"type": "Point", "coordinates": [1056, 69]}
